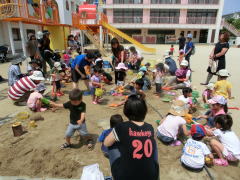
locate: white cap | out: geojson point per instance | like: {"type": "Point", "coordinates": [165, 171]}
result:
{"type": "Point", "coordinates": [37, 75]}
{"type": "Point", "coordinates": [223, 72]}
{"type": "Point", "coordinates": [210, 86]}
{"type": "Point", "coordinates": [184, 63]}
{"type": "Point", "coordinates": [57, 65]}
{"type": "Point", "coordinates": [189, 36]}
{"type": "Point", "coordinates": [39, 35]}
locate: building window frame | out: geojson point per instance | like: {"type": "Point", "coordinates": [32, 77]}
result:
{"type": "Point", "coordinates": [16, 34]}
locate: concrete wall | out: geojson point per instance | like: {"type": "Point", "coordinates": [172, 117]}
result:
{"type": "Point", "coordinates": [4, 37]}
{"type": "Point", "coordinates": [65, 15]}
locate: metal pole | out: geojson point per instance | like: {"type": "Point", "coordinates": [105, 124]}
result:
{"type": "Point", "coordinates": [101, 36]}
{"type": "Point", "coordinates": [11, 38]}
{"type": "Point", "coordinates": [22, 38]}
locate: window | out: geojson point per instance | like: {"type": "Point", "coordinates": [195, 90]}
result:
{"type": "Point", "coordinates": [195, 34]}
{"type": "Point", "coordinates": [165, 1]}
{"type": "Point", "coordinates": [30, 31]}
{"type": "Point", "coordinates": [67, 5]}
{"type": "Point", "coordinates": [127, 1]}
{"type": "Point", "coordinates": [127, 15]}
{"type": "Point", "coordinates": [168, 16]}
{"type": "Point", "coordinates": [16, 34]}
{"type": "Point", "coordinates": [189, 32]}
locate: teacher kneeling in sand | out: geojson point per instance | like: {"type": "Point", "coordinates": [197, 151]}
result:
{"type": "Point", "coordinates": [21, 89]}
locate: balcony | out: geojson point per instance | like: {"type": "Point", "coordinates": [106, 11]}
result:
{"type": "Point", "coordinates": [165, 1]}
{"type": "Point", "coordinates": [201, 20]}
{"type": "Point", "coordinates": [164, 20]}
{"type": "Point", "coordinates": [127, 1]}
{"type": "Point", "coordinates": [203, 1]}
{"type": "Point", "coordinates": [126, 19]}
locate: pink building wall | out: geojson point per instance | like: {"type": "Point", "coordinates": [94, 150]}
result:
{"type": "Point", "coordinates": [183, 16]}
{"type": "Point", "coordinates": [110, 15]}
{"type": "Point", "coordinates": [109, 1]}
{"type": "Point", "coordinates": [146, 1]}
{"type": "Point", "coordinates": [184, 1]}
{"type": "Point", "coordinates": [146, 16]}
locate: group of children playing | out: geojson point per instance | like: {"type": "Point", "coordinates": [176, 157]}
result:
{"type": "Point", "coordinates": [226, 145]}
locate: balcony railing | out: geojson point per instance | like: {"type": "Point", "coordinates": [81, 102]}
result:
{"type": "Point", "coordinates": [126, 19]}
{"type": "Point", "coordinates": [201, 20]}
{"type": "Point", "coordinates": [164, 20]}
{"type": "Point", "coordinates": [127, 1]}
{"type": "Point", "coordinates": [165, 1]}
{"type": "Point", "coordinates": [203, 1]}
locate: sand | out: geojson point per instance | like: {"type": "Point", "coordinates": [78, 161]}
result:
{"type": "Point", "coordinates": [37, 154]}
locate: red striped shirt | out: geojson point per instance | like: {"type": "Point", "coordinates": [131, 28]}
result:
{"type": "Point", "coordinates": [20, 87]}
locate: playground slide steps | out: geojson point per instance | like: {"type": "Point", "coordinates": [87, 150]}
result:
{"type": "Point", "coordinates": [94, 39]}
{"type": "Point", "coordinates": [128, 38]}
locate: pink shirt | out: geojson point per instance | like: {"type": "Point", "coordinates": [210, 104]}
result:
{"type": "Point", "coordinates": [171, 125]}
{"type": "Point", "coordinates": [31, 103]}
{"type": "Point", "coordinates": [214, 113]}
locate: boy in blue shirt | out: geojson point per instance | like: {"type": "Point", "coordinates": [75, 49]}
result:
{"type": "Point", "coordinates": [188, 48]}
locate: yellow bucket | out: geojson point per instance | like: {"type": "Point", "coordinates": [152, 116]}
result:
{"type": "Point", "coordinates": [98, 92]}
{"type": "Point", "coordinates": [22, 116]}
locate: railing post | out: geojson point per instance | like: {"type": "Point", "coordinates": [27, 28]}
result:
{"type": "Point", "coordinates": [22, 38]}
{"type": "Point", "coordinates": [11, 37]}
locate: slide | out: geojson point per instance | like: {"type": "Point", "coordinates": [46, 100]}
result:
{"type": "Point", "coordinates": [128, 38]}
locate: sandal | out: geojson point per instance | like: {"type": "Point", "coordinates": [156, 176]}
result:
{"type": "Point", "coordinates": [90, 145]}
{"type": "Point", "coordinates": [220, 162]}
{"type": "Point", "coordinates": [65, 145]}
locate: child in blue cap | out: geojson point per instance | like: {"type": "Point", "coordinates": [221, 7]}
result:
{"type": "Point", "coordinates": [194, 151]}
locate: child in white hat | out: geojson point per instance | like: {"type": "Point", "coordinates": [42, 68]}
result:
{"type": "Point", "coordinates": [223, 87]}
{"type": "Point", "coordinates": [208, 93]}
{"type": "Point", "coordinates": [56, 79]}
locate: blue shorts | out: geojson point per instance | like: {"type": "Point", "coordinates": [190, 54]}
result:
{"type": "Point", "coordinates": [82, 129]}
{"type": "Point", "coordinates": [164, 139]}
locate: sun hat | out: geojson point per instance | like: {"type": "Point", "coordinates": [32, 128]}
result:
{"type": "Point", "coordinates": [166, 54]}
{"type": "Point", "coordinates": [210, 86]}
{"type": "Point", "coordinates": [178, 108]}
{"type": "Point", "coordinates": [184, 63]}
{"type": "Point", "coordinates": [37, 75]}
{"type": "Point", "coordinates": [198, 131]}
{"type": "Point", "coordinates": [57, 65]}
{"type": "Point", "coordinates": [39, 35]}
{"type": "Point", "coordinates": [223, 73]}
{"type": "Point", "coordinates": [143, 69]}
{"type": "Point", "coordinates": [189, 36]}
{"type": "Point", "coordinates": [40, 87]}
{"type": "Point", "coordinates": [181, 51]}
{"type": "Point", "coordinates": [18, 60]}
{"type": "Point", "coordinates": [218, 100]}
{"type": "Point", "coordinates": [121, 66]}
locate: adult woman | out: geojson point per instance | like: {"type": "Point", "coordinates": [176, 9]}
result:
{"type": "Point", "coordinates": [218, 56]}
{"type": "Point", "coordinates": [32, 47]}
{"type": "Point", "coordinates": [135, 58]}
{"type": "Point", "coordinates": [44, 47]}
{"type": "Point", "coordinates": [71, 42]}
{"type": "Point", "coordinates": [118, 54]}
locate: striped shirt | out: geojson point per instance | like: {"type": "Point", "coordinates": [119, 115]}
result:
{"type": "Point", "coordinates": [18, 89]}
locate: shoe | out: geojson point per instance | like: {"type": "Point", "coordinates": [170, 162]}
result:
{"type": "Point", "coordinates": [94, 102]}
{"type": "Point", "coordinates": [65, 145]}
{"type": "Point", "coordinates": [204, 84]}
{"type": "Point", "coordinates": [220, 162]}
{"type": "Point", "coordinates": [176, 143]}
{"type": "Point", "coordinates": [20, 103]}
{"type": "Point", "coordinates": [43, 109]}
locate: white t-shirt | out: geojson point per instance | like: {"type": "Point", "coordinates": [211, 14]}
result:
{"type": "Point", "coordinates": [182, 98]}
{"type": "Point", "coordinates": [230, 142]}
{"type": "Point", "coordinates": [188, 83]}
{"type": "Point", "coordinates": [170, 126]}
{"type": "Point", "coordinates": [158, 76]}
{"type": "Point", "coordinates": [194, 153]}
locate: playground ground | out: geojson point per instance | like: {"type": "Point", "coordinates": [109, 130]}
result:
{"type": "Point", "coordinates": [36, 154]}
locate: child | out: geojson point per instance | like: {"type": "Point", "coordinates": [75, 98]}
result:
{"type": "Point", "coordinates": [208, 93]}
{"type": "Point", "coordinates": [114, 121]}
{"type": "Point", "coordinates": [107, 78]}
{"type": "Point", "coordinates": [186, 97]}
{"type": "Point", "coordinates": [182, 78]}
{"type": "Point", "coordinates": [218, 106]}
{"type": "Point", "coordinates": [171, 50]}
{"type": "Point", "coordinates": [194, 151]}
{"type": "Point", "coordinates": [181, 56]}
{"type": "Point", "coordinates": [169, 127]}
{"type": "Point", "coordinates": [67, 56]}
{"type": "Point", "coordinates": [99, 61]}
{"type": "Point", "coordinates": [34, 102]}
{"type": "Point", "coordinates": [136, 144]}
{"type": "Point", "coordinates": [157, 77]}
{"type": "Point", "coordinates": [227, 146]}
{"type": "Point", "coordinates": [56, 79]}
{"type": "Point", "coordinates": [147, 82]}
{"type": "Point", "coordinates": [121, 74]}
{"type": "Point", "coordinates": [95, 83]}
{"type": "Point", "coordinates": [77, 110]}
{"type": "Point", "coordinates": [223, 87]}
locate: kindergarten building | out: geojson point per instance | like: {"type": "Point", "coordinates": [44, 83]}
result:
{"type": "Point", "coordinates": [161, 21]}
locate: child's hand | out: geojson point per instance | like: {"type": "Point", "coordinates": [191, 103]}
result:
{"type": "Point", "coordinates": [79, 122]}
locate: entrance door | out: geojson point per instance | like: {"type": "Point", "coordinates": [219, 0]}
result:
{"type": "Point", "coordinates": [203, 36]}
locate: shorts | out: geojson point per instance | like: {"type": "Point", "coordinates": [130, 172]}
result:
{"type": "Point", "coordinates": [164, 139]}
{"type": "Point", "coordinates": [76, 76]}
{"type": "Point", "coordinates": [58, 85]}
{"type": "Point", "coordinates": [191, 168]}
{"type": "Point", "coordinates": [120, 83]}
{"type": "Point", "coordinates": [158, 87]}
{"type": "Point", "coordinates": [82, 129]}
{"type": "Point", "coordinates": [92, 90]}
{"type": "Point", "coordinates": [229, 155]}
